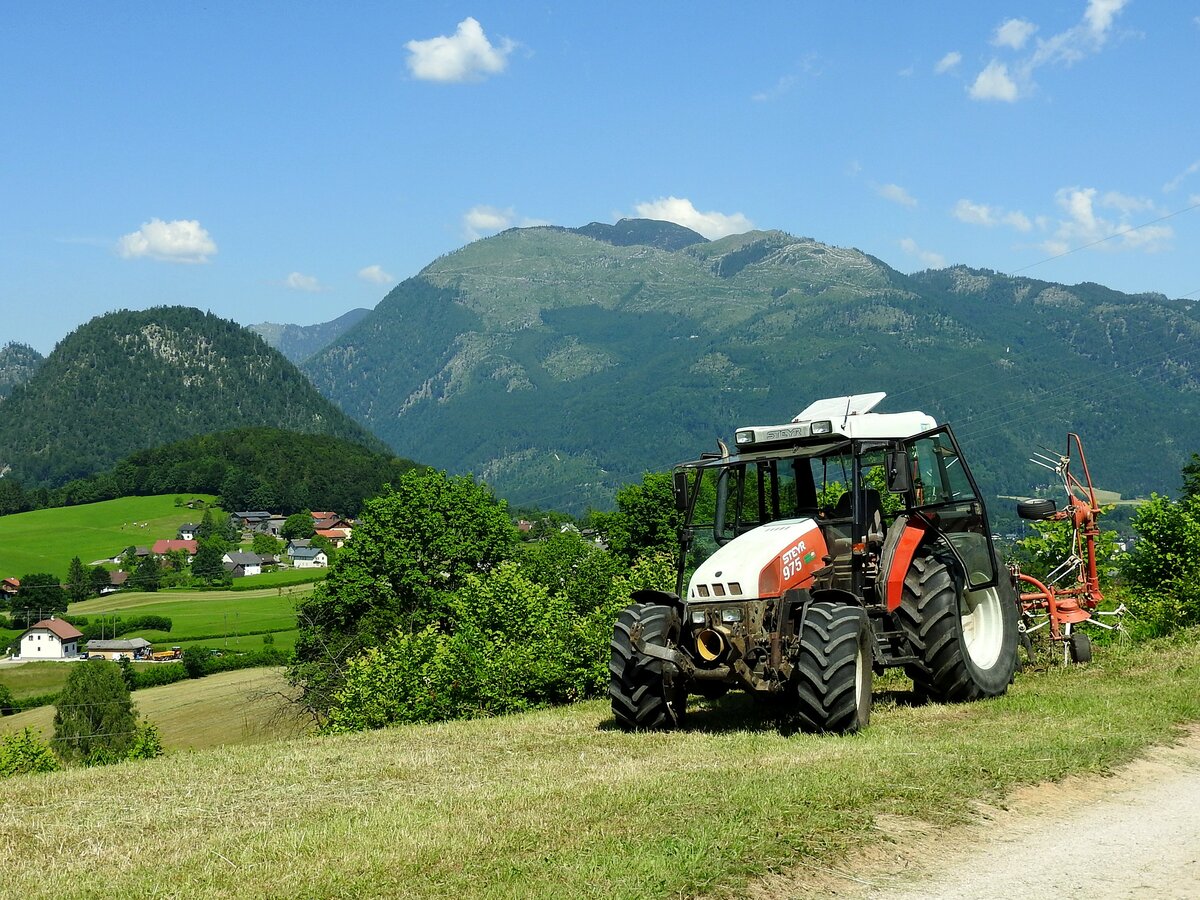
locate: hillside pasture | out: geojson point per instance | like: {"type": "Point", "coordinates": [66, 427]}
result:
{"type": "Point", "coordinates": [243, 707]}
{"type": "Point", "coordinates": [45, 540]}
{"type": "Point", "coordinates": [558, 803]}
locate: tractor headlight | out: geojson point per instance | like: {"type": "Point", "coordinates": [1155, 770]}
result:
{"type": "Point", "coordinates": [744, 437]}
{"type": "Point", "coordinates": [697, 617]}
{"type": "Point", "coordinates": [825, 427]}
{"type": "Point", "coordinates": [731, 615]}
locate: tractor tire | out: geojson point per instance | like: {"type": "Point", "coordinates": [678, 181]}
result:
{"type": "Point", "coordinates": [643, 689]}
{"type": "Point", "coordinates": [1080, 647]}
{"type": "Point", "coordinates": [966, 641]}
{"type": "Point", "coordinates": [831, 676]}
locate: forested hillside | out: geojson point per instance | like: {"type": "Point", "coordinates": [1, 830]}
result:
{"type": "Point", "coordinates": [127, 381]}
{"type": "Point", "coordinates": [18, 362]}
{"type": "Point", "coordinates": [558, 363]}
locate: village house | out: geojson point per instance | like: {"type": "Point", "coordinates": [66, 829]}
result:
{"type": "Point", "coordinates": [309, 558]}
{"type": "Point", "coordinates": [9, 587]}
{"type": "Point", "coordinates": [252, 520]}
{"type": "Point", "coordinates": [295, 544]}
{"type": "Point", "coordinates": [163, 547]}
{"type": "Point", "coordinates": [116, 581]}
{"type": "Point", "coordinates": [134, 648]}
{"type": "Point", "coordinates": [239, 563]}
{"type": "Point", "coordinates": [335, 536]}
{"type": "Point", "coordinates": [187, 531]}
{"type": "Point", "coordinates": [50, 638]}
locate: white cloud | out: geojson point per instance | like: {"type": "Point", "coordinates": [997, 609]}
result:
{"type": "Point", "coordinates": [994, 83]}
{"type": "Point", "coordinates": [988, 216]}
{"type": "Point", "coordinates": [1175, 182]}
{"type": "Point", "coordinates": [298, 282]}
{"type": "Point", "coordinates": [375, 275]}
{"type": "Point", "coordinates": [928, 258]}
{"type": "Point", "coordinates": [467, 55]}
{"type": "Point", "coordinates": [1083, 225]}
{"type": "Point", "coordinates": [1013, 33]}
{"type": "Point", "coordinates": [482, 220]}
{"type": "Point", "coordinates": [182, 241]}
{"type": "Point", "coordinates": [896, 194]}
{"type": "Point", "coordinates": [948, 62]}
{"type": "Point", "coordinates": [681, 211]}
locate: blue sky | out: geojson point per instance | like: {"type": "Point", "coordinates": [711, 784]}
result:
{"type": "Point", "coordinates": [287, 162]}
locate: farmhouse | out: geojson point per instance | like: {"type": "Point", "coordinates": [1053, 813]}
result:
{"type": "Point", "coordinates": [161, 548]}
{"type": "Point", "coordinates": [309, 558]}
{"type": "Point", "coordinates": [187, 531]}
{"type": "Point", "coordinates": [238, 563]}
{"type": "Point", "coordinates": [134, 648]}
{"type": "Point", "coordinates": [336, 536]}
{"type": "Point", "coordinates": [50, 639]}
{"type": "Point", "coordinates": [10, 586]}
{"type": "Point", "coordinates": [296, 544]}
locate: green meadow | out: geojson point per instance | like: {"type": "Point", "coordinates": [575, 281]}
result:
{"type": "Point", "coordinates": [45, 540]}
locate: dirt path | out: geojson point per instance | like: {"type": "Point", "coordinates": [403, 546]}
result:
{"type": "Point", "coordinates": [1133, 835]}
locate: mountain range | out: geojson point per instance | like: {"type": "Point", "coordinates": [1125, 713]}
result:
{"type": "Point", "coordinates": [558, 364]}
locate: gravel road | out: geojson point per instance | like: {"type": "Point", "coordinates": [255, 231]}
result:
{"type": "Point", "coordinates": [1135, 834]}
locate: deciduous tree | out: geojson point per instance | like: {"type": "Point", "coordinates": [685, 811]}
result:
{"type": "Point", "coordinates": [94, 719]}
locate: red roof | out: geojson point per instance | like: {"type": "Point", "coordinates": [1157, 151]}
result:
{"type": "Point", "coordinates": [161, 547]}
{"type": "Point", "coordinates": [334, 534]}
{"type": "Point", "coordinates": [65, 630]}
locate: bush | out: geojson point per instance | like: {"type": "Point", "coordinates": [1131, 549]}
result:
{"type": "Point", "coordinates": [22, 753]}
{"type": "Point", "coordinates": [7, 704]}
{"type": "Point", "coordinates": [94, 721]}
{"type": "Point", "coordinates": [1163, 568]}
{"type": "Point", "coordinates": [195, 661]}
{"type": "Point", "coordinates": [146, 742]}
{"type": "Point", "coordinates": [159, 674]}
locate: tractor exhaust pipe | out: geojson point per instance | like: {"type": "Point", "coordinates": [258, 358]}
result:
{"type": "Point", "coordinates": [712, 644]}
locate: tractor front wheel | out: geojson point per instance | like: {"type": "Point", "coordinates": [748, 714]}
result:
{"type": "Point", "coordinates": [644, 690]}
{"type": "Point", "coordinates": [966, 641]}
{"type": "Point", "coordinates": [831, 679]}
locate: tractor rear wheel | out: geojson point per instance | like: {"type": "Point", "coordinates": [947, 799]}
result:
{"type": "Point", "coordinates": [643, 689]}
{"type": "Point", "coordinates": [831, 679]}
{"type": "Point", "coordinates": [966, 641]}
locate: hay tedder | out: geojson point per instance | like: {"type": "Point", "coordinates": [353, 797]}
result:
{"type": "Point", "coordinates": [1070, 594]}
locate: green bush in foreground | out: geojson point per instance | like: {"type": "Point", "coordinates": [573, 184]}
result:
{"type": "Point", "coordinates": [1163, 568]}
{"type": "Point", "coordinates": [22, 753]}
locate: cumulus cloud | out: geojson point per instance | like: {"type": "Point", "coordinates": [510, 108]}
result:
{"type": "Point", "coordinates": [1001, 81]}
{"type": "Point", "coordinates": [994, 83]}
{"type": "Point", "coordinates": [466, 55]}
{"type": "Point", "coordinates": [1013, 33]}
{"type": "Point", "coordinates": [181, 241]}
{"type": "Point", "coordinates": [299, 282]}
{"type": "Point", "coordinates": [482, 220]}
{"type": "Point", "coordinates": [375, 275]}
{"type": "Point", "coordinates": [927, 258]}
{"type": "Point", "coordinates": [679, 210]}
{"type": "Point", "coordinates": [988, 216]}
{"type": "Point", "coordinates": [1175, 182]}
{"type": "Point", "coordinates": [948, 63]}
{"type": "Point", "coordinates": [896, 194]}
{"type": "Point", "coordinates": [1085, 223]}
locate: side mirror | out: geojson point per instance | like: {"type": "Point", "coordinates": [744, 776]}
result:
{"type": "Point", "coordinates": [681, 492]}
{"type": "Point", "coordinates": [899, 478]}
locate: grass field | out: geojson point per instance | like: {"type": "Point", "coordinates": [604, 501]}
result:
{"type": "Point", "coordinates": [227, 708]}
{"type": "Point", "coordinates": [206, 616]}
{"type": "Point", "coordinates": [558, 803]}
{"type": "Point", "coordinates": [45, 540]}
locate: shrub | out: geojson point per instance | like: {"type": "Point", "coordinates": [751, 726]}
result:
{"type": "Point", "coordinates": [160, 674]}
{"type": "Point", "coordinates": [147, 744]}
{"type": "Point", "coordinates": [1163, 568]}
{"type": "Point", "coordinates": [7, 704]}
{"type": "Point", "coordinates": [94, 720]}
{"type": "Point", "coordinates": [23, 752]}
{"type": "Point", "coordinates": [195, 661]}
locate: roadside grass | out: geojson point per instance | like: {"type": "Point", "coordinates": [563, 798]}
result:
{"type": "Point", "coordinates": [242, 707]}
{"type": "Point", "coordinates": [558, 803]}
{"type": "Point", "coordinates": [45, 540]}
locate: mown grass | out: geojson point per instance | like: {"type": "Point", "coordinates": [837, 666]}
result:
{"type": "Point", "coordinates": [557, 803]}
{"type": "Point", "coordinates": [36, 677]}
{"type": "Point", "coordinates": [45, 540]}
{"type": "Point", "coordinates": [243, 707]}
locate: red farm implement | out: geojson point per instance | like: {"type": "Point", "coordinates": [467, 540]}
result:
{"type": "Point", "coordinates": [1069, 596]}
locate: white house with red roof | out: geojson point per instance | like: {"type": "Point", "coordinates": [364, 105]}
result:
{"type": "Point", "coordinates": [50, 639]}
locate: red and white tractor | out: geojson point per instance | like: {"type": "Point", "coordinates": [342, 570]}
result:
{"type": "Point", "coordinates": [818, 553]}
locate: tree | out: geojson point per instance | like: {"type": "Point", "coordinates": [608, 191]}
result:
{"type": "Point", "coordinates": [228, 530]}
{"type": "Point", "coordinates": [207, 564]}
{"type": "Point", "coordinates": [1163, 568]}
{"type": "Point", "coordinates": [414, 547]}
{"type": "Point", "coordinates": [40, 595]}
{"type": "Point", "coordinates": [101, 578]}
{"type": "Point", "coordinates": [1191, 477]}
{"type": "Point", "coordinates": [297, 525]}
{"type": "Point", "coordinates": [646, 520]}
{"type": "Point", "coordinates": [145, 576]}
{"type": "Point", "coordinates": [206, 527]}
{"type": "Point", "coordinates": [79, 581]}
{"type": "Point", "coordinates": [265, 545]}
{"type": "Point", "coordinates": [94, 719]}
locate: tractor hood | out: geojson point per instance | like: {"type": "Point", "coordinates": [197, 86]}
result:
{"type": "Point", "coordinates": [763, 562]}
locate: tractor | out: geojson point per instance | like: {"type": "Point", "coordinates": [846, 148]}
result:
{"type": "Point", "coordinates": [816, 554]}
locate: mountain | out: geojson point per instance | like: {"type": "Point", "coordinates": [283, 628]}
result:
{"type": "Point", "coordinates": [559, 363]}
{"type": "Point", "coordinates": [18, 362]}
{"type": "Point", "coordinates": [299, 342]}
{"type": "Point", "coordinates": [126, 381]}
